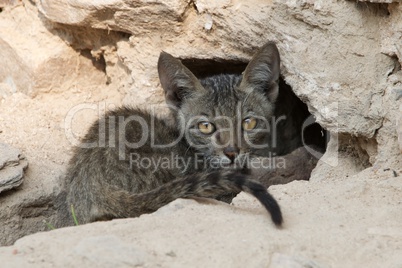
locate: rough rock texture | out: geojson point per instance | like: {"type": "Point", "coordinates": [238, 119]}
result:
{"type": "Point", "coordinates": [37, 60]}
{"type": "Point", "coordinates": [42, 127]}
{"type": "Point", "coordinates": [66, 62]}
{"type": "Point", "coordinates": [323, 228]}
{"type": "Point", "coordinates": [12, 166]}
{"type": "Point", "coordinates": [327, 56]}
{"type": "Point", "coordinates": [130, 16]}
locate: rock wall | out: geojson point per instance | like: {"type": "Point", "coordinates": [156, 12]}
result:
{"type": "Point", "coordinates": [327, 47]}
{"type": "Point", "coordinates": [342, 58]}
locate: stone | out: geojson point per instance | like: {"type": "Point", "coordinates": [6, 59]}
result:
{"type": "Point", "coordinates": [12, 166]}
{"type": "Point", "coordinates": [340, 101]}
{"type": "Point", "coordinates": [38, 61]}
{"type": "Point", "coordinates": [117, 15]}
{"type": "Point", "coordinates": [327, 49]}
{"type": "Point", "coordinates": [325, 223]}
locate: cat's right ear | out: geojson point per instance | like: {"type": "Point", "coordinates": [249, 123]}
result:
{"type": "Point", "coordinates": [176, 79]}
{"type": "Point", "coordinates": [262, 72]}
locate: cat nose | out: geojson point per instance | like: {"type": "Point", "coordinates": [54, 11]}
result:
{"type": "Point", "coordinates": [231, 152]}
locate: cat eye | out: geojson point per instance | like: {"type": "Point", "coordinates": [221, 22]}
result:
{"type": "Point", "coordinates": [206, 127]}
{"type": "Point", "coordinates": [249, 123]}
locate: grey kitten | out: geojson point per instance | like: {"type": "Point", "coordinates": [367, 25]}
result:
{"type": "Point", "coordinates": [132, 162]}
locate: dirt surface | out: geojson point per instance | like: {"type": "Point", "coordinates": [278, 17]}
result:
{"type": "Point", "coordinates": [38, 127]}
{"type": "Point", "coordinates": [350, 222]}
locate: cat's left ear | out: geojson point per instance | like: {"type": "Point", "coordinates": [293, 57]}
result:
{"type": "Point", "coordinates": [262, 73]}
{"type": "Point", "coordinates": [177, 80]}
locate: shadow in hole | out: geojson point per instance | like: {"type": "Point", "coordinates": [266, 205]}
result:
{"type": "Point", "coordinates": [289, 160]}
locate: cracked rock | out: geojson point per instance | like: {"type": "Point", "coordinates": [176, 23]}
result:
{"type": "Point", "coordinates": [12, 166]}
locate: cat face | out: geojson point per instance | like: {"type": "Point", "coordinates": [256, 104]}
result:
{"type": "Point", "coordinates": [224, 123]}
{"type": "Point", "coordinates": [225, 118]}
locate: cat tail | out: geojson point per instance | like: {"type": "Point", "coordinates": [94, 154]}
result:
{"type": "Point", "coordinates": [208, 185]}
{"type": "Point", "coordinates": [106, 203]}
{"type": "Point", "coordinates": [218, 183]}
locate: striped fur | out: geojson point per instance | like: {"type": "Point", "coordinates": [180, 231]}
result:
{"type": "Point", "coordinates": [102, 183]}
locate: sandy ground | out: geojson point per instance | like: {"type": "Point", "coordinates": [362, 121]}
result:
{"type": "Point", "coordinates": [37, 127]}
{"type": "Point", "coordinates": [343, 223]}
{"type": "Point", "coordinates": [354, 221]}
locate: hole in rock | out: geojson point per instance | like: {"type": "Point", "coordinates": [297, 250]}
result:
{"type": "Point", "coordinates": [377, 9]}
{"type": "Point", "coordinates": [360, 150]}
{"type": "Point", "coordinates": [397, 65]}
{"type": "Point", "coordinates": [296, 130]}
{"type": "Point", "coordinates": [207, 67]}
{"type": "Point", "coordinates": [98, 62]}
